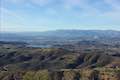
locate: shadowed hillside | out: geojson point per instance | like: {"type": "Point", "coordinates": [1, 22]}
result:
{"type": "Point", "coordinates": [15, 57]}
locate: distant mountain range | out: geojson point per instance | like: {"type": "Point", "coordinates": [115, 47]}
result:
{"type": "Point", "coordinates": [62, 34]}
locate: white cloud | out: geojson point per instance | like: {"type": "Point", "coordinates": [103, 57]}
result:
{"type": "Point", "coordinates": [41, 2]}
{"type": "Point", "coordinates": [14, 1]}
{"type": "Point", "coordinates": [23, 2]}
{"type": "Point", "coordinates": [114, 3]}
{"type": "Point", "coordinates": [86, 8]}
{"type": "Point", "coordinates": [114, 15]}
{"type": "Point", "coordinates": [51, 11]}
{"type": "Point", "coordinates": [115, 12]}
{"type": "Point", "coordinates": [5, 13]}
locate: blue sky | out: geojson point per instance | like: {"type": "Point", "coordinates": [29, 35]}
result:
{"type": "Point", "coordinates": [42, 15]}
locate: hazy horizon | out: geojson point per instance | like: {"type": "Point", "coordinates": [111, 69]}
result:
{"type": "Point", "coordinates": [59, 30]}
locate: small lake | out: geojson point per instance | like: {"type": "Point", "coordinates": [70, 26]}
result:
{"type": "Point", "coordinates": [40, 46]}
